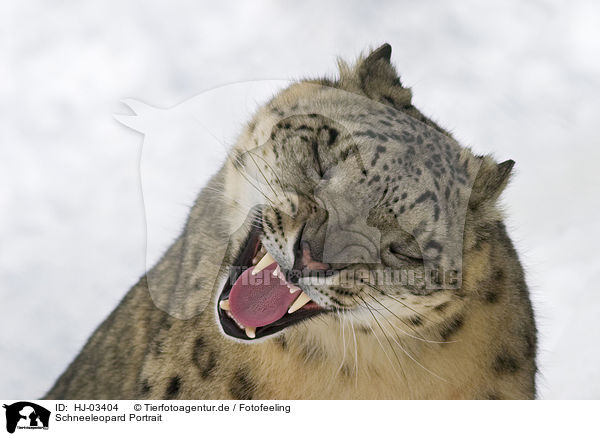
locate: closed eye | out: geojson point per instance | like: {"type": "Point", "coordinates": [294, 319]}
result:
{"type": "Point", "coordinates": [405, 252]}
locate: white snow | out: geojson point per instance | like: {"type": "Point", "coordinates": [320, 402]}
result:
{"type": "Point", "coordinates": [517, 79]}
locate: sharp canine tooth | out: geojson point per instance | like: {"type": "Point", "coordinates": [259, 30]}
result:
{"type": "Point", "coordinates": [300, 301]}
{"type": "Point", "coordinates": [276, 271]}
{"type": "Point", "coordinates": [293, 288]}
{"type": "Point", "coordinates": [263, 263]}
{"type": "Point", "coordinates": [251, 332]}
{"type": "Point", "coordinates": [224, 304]}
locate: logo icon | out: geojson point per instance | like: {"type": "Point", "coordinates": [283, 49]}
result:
{"type": "Point", "coordinates": [26, 415]}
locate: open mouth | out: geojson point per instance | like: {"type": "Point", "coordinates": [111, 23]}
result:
{"type": "Point", "coordinates": [256, 300]}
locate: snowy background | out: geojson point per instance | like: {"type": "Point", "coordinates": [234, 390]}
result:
{"type": "Point", "coordinates": [518, 79]}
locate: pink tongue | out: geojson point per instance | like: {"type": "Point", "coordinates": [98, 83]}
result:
{"type": "Point", "coordinates": [261, 299]}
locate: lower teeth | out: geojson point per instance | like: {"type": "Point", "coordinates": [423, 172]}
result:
{"type": "Point", "coordinates": [250, 332]}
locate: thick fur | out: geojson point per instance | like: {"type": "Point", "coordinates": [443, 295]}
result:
{"type": "Point", "coordinates": [477, 341]}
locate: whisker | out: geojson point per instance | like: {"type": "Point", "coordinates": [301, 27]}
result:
{"type": "Point", "coordinates": [280, 183]}
{"type": "Point", "coordinates": [384, 334]}
{"type": "Point", "coordinates": [396, 316]}
{"type": "Point", "coordinates": [263, 174]}
{"type": "Point", "coordinates": [406, 352]}
{"type": "Point", "coordinates": [395, 299]}
{"type": "Point", "coordinates": [355, 354]}
{"type": "Point", "coordinates": [429, 341]}
{"type": "Point", "coordinates": [421, 338]}
{"type": "Point", "coordinates": [382, 347]}
{"type": "Point", "coordinates": [343, 341]}
{"type": "Point", "coordinates": [246, 177]}
{"type": "Point", "coordinates": [229, 197]}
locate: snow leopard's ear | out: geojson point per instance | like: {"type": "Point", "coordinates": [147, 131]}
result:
{"type": "Point", "coordinates": [377, 66]}
{"type": "Point", "coordinates": [491, 180]}
{"type": "Point", "coordinates": [383, 53]}
{"type": "Point", "coordinates": [380, 81]}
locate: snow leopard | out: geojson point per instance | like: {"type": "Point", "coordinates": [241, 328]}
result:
{"type": "Point", "coordinates": [348, 248]}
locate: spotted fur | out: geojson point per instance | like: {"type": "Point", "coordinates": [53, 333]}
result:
{"type": "Point", "coordinates": [461, 328]}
